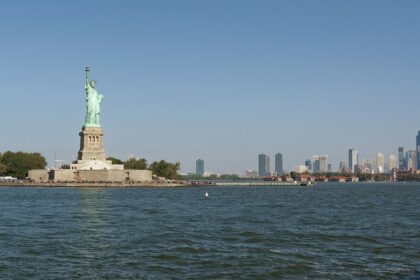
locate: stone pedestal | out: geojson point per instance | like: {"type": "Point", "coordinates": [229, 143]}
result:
{"type": "Point", "coordinates": [92, 153]}
{"type": "Point", "coordinates": [91, 144]}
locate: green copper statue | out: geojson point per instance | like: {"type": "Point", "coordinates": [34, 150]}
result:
{"type": "Point", "coordinates": [93, 103]}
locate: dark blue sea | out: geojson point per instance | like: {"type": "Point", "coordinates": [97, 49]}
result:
{"type": "Point", "coordinates": [331, 231]}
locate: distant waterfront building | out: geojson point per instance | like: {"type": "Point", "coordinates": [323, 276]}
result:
{"type": "Point", "coordinates": [263, 165]}
{"type": "Point", "coordinates": [251, 174]}
{"type": "Point", "coordinates": [329, 167]}
{"type": "Point", "coordinates": [209, 174]}
{"type": "Point", "coordinates": [367, 166]}
{"type": "Point", "coordinates": [358, 169]}
{"type": "Point", "coordinates": [353, 159]}
{"type": "Point", "coordinates": [418, 151]}
{"type": "Point", "coordinates": [320, 164]}
{"type": "Point", "coordinates": [392, 162]}
{"type": "Point", "coordinates": [323, 163]}
{"type": "Point", "coordinates": [278, 162]}
{"type": "Point", "coordinates": [315, 164]}
{"type": "Point", "coordinates": [401, 159]}
{"type": "Point", "coordinates": [199, 167]}
{"type": "Point", "coordinates": [386, 168]}
{"type": "Point", "coordinates": [380, 163]}
{"type": "Point", "coordinates": [300, 169]}
{"type": "Point", "coordinates": [308, 165]}
{"type": "Point", "coordinates": [412, 160]}
{"type": "Point", "coordinates": [342, 167]}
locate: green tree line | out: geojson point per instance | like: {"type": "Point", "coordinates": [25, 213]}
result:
{"type": "Point", "coordinates": [17, 164]}
{"type": "Point", "coordinates": [160, 168]}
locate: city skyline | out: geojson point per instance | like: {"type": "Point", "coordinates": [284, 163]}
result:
{"type": "Point", "coordinates": [321, 164]}
{"type": "Point", "coordinates": [220, 74]}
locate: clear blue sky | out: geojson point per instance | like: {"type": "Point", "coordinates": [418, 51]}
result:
{"type": "Point", "coordinates": [220, 80]}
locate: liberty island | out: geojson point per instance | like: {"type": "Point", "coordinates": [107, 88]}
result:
{"type": "Point", "coordinates": [91, 165]}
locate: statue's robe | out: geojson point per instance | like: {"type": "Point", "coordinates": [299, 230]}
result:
{"type": "Point", "coordinates": [93, 102]}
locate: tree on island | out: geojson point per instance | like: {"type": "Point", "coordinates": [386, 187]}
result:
{"type": "Point", "coordinates": [133, 163]}
{"type": "Point", "coordinates": [115, 160]}
{"type": "Point", "coordinates": [165, 169]}
{"type": "Point", "coordinates": [18, 163]}
{"type": "Point", "coordinates": [3, 169]}
{"type": "Point", "coordinates": [294, 175]}
{"type": "Point", "coordinates": [159, 168]}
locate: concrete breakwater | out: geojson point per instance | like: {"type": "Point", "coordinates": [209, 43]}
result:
{"type": "Point", "coordinates": [280, 184]}
{"type": "Point", "coordinates": [253, 183]}
{"type": "Point", "coordinates": [149, 184]}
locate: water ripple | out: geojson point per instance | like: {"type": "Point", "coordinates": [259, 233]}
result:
{"type": "Point", "coordinates": [352, 231]}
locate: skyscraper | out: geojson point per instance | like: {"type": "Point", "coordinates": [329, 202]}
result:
{"type": "Point", "coordinates": [418, 151]}
{"type": "Point", "coordinates": [315, 164]}
{"type": "Point", "coordinates": [263, 165]}
{"type": "Point", "coordinates": [380, 163]}
{"type": "Point", "coordinates": [278, 162]}
{"type": "Point", "coordinates": [368, 166]}
{"type": "Point", "coordinates": [412, 160]}
{"type": "Point", "coordinates": [199, 167]}
{"type": "Point", "coordinates": [308, 165]}
{"type": "Point", "coordinates": [401, 159]}
{"type": "Point", "coordinates": [323, 163]}
{"type": "Point", "coordinates": [320, 164]}
{"type": "Point", "coordinates": [353, 159]}
{"type": "Point", "coordinates": [392, 162]}
{"type": "Point", "coordinates": [342, 167]}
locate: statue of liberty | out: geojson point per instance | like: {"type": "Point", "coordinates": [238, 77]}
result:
{"type": "Point", "coordinates": [93, 103]}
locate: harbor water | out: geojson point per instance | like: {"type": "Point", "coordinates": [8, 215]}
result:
{"type": "Point", "coordinates": [331, 231]}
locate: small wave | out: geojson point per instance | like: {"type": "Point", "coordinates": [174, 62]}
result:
{"type": "Point", "coordinates": [191, 250]}
{"type": "Point", "coordinates": [248, 233]}
{"type": "Point", "coordinates": [253, 240]}
{"type": "Point", "coordinates": [165, 257]}
{"type": "Point", "coordinates": [276, 251]}
{"type": "Point", "coordinates": [298, 268]}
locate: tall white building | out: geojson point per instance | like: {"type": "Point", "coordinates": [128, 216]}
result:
{"type": "Point", "coordinates": [300, 169]}
{"type": "Point", "coordinates": [392, 162]}
{"type": "Point", "coordinates": [342, 167]}
{"type": "Point", "coordinates": [368, 166]}
{"type": "Point", "coordinates": [353, 159]}
{"type": "Point", "coordinates": [323, 163]}
{"type": "Point", "coordinates": [380, 163]}
{"type": "Point", "coordinates": [411, 160]}
{"type": "Point", "coordinates": [251, 174]}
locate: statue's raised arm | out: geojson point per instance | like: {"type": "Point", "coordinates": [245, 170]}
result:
{"type": "Point", "coordinates": [87, 76]}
